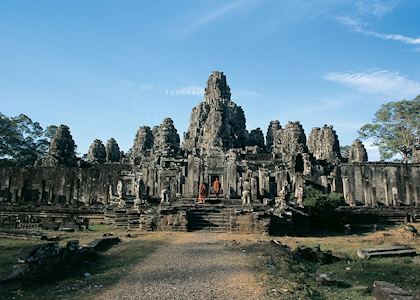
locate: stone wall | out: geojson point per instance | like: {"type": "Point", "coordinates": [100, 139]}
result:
{"type": "Point", "coordinates": [59, 185]}
{"type": "Point", "coordinates": [375, 184]}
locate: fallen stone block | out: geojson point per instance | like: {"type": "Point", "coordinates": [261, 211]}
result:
{"type": "Point", "coordinates": [386, 252]}
{"type": "Point", "coordinates": [37, 253]}
{"type": "Point", "coordinates": [315, 255]}
{"type": "Point", "coordinates": [103, 243]}
{"type": "Point", "coordinates": [72, 245]}
{"type": "Point", "coordinates": [324, 279]}
{"type": "Point", "coordinates": [387, 291]}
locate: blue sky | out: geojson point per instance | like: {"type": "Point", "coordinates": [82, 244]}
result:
{"type": "Point", "coordinates": [104, 68]}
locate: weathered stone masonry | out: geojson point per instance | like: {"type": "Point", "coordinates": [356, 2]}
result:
{"type": "Point", "coordinates": [217, 145]}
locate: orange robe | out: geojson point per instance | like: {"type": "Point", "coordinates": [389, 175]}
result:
{"type": "Point", "coordinates": [201, 192]}
{"type": "Point", "coordinates": [216, 187]}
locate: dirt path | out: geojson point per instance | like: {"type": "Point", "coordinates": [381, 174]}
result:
{"type": "Point", "coordinates": [192, 266]}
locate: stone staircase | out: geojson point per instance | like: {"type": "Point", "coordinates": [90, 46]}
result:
{"type": "Point", "coordinates": [209, 219]}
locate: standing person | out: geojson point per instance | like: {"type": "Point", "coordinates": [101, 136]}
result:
{"type": "Point", "coordinates": [201, 193]}
{"type": "Point", "coordinates": [216, 187]}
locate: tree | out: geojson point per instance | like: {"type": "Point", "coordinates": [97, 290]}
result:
{"type": "Point", "coordinates": [395, 129]}
{"type": "Point", "coordinates": [22, 141]}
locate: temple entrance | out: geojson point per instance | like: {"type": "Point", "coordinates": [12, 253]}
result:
{"type": "Point", "coordinates": [299, 165]}
{"type": "Point", "coordinates": [212, 179]}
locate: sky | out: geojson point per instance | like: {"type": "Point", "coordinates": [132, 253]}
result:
{"type": "Point", "coordinates": [105, 68]}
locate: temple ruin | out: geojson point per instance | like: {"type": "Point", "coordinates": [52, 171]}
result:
{"type": "Point", "coordinates": [156, 186]}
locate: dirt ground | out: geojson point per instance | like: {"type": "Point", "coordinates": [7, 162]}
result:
{"type": "Point", "coordinates": [191, 266]}
{"type": "Point", "coordinates": [165, 265]}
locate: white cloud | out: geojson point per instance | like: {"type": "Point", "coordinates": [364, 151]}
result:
{"type": "Point", "coordinates": [244, 94]}
{"type": "Point", "coordinates": [185, 91]}
{"type": "Point", "coordinates": [220, 11]}
{"type": "Point", "coordinates": [215, 14]}
{"type": "Point", "coordinates": [135, 85]}
{"type": "Point", "coordinates": [356, 25]}
{"type": "Point", "coordinates": [382, 82]}
{"type": "Point", "coordinates": [376, 8]}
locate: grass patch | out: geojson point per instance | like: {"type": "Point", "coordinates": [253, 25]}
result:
{"type": "Point", "coordinates": [109, 267]}
{"type": "Point", "coordinates": [286, 278]}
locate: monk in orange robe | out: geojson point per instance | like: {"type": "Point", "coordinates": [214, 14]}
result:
{"type": "Point", "coordinates": [201, 193]}
{"type": "Point", "coordinates": [216, 187]}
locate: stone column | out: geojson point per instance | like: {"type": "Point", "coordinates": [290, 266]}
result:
{"type": "Point", "coordinates": [69, 193]}
{"type": "Point", "coordinates": [346, 191]}
{"type": "Point", "coordinates": [374, 197]}
{"type": "Point", "coordinates": [254, 189]}
{"type": "Point", "coordinates": [367, 192]}
{"type": "Point", "coordinates": [387, 192]}
{"type": "Point", "coordinates": [417, 196]}
{"type": "Point", "coordinates": [324, 182]}
{"type": "Point", "coordinates": [409, 193]}
{"type": "Point", "coordinates": [50, 194]}
{"type": "Point", "coordinates": [231, 181]}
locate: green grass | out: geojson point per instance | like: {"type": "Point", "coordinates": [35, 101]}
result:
{"type": "Point", "coordinates": [110, 267]}
{"type": "Point", "coordinates": [9, 248]}
{"type": "Point", "coordinates": [399, 270]}
{"type": "Point", "coordinates": [287, 278]}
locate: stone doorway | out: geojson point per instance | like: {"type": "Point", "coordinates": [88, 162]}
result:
{"type": "Point", "coordinates": [299, 164]}
{"type": "Point", "coordinates": [212, 178]}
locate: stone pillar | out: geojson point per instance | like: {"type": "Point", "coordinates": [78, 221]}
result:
{"type": "Point", "coordinates": [43, 191]}
{"type": "Point", "coordinates": [324, 182]}
{"type": "Point", "coordinates": [254, 189]}
{"type": "Point", "coordinates": [69, 193]}
{"type": "Point", "coordinates": [409, 193]}
{"type": "Point", "coordinates": [367, 192]}
{"type": "Point", "coordinates": [346, 191]}
{"type": "Point", "coordinates": [50, 194]}
{"type": "Point", "coordinates": [374, 197]}
{"type": "Point", "coordinates": [348, 186]}
{"type": "Point", "coordinates": [231, 181]}
{"type": "Point", "coordinates": [388, 200]}
{"type": "Point", "coordinates": [240, 186]}
{"type": "Point", "coordinates": [417, 196]}
{"type": "Point", "coordinates": [395, 196]}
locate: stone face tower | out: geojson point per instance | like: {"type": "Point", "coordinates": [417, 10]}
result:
{"type": "Point", "coordinates": [217, 122]}
{"type": "Point", "coordinates": [217, 88]}
{"type": "Point", "coordinates": [324, 145]}
{"type": "Point", "coordinates": [358, 152]}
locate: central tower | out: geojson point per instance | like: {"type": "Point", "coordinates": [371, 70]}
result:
{"type": "Point", "coordinates": [217, 123]}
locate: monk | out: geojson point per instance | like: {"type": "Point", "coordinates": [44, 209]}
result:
{"type": "Point", "coordinates": [216, 187]}
{"type": "Point", "coordinates": [201, 193]}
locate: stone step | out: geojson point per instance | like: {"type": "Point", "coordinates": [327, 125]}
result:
{"type": "Point", "coordinates": [211, 231]}
{"type": "Point", "coordinates": [208, 222]}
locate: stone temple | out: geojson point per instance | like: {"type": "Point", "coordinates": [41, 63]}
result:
{"type": "Point", "coordinates": [263, 180]}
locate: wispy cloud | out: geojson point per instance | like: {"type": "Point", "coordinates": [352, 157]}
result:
{"type": "Point", "coordinates": [135, 85]}
{"type": "Point", "coordinates": [382, 82]}
{"type": "Point", "coordinates": [376, 8]}
{"type": "Point", "coordinates": [356, 25]}
{"type": "Point", "coordinates": [215, 14]}
{"type": "Point", "coordinates": [220, 11]}
{"type": "Point", "coordinates": [185, 91]}
{"type": "Point", "coordinates": [240, 93]}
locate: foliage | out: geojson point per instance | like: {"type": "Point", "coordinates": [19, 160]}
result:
{"type": "Point", "coordinates": [315, 198]}
{"type": "Point", "coordinates": [395, 129]}
{"type": "Point", "coordinates": [22, 141]}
